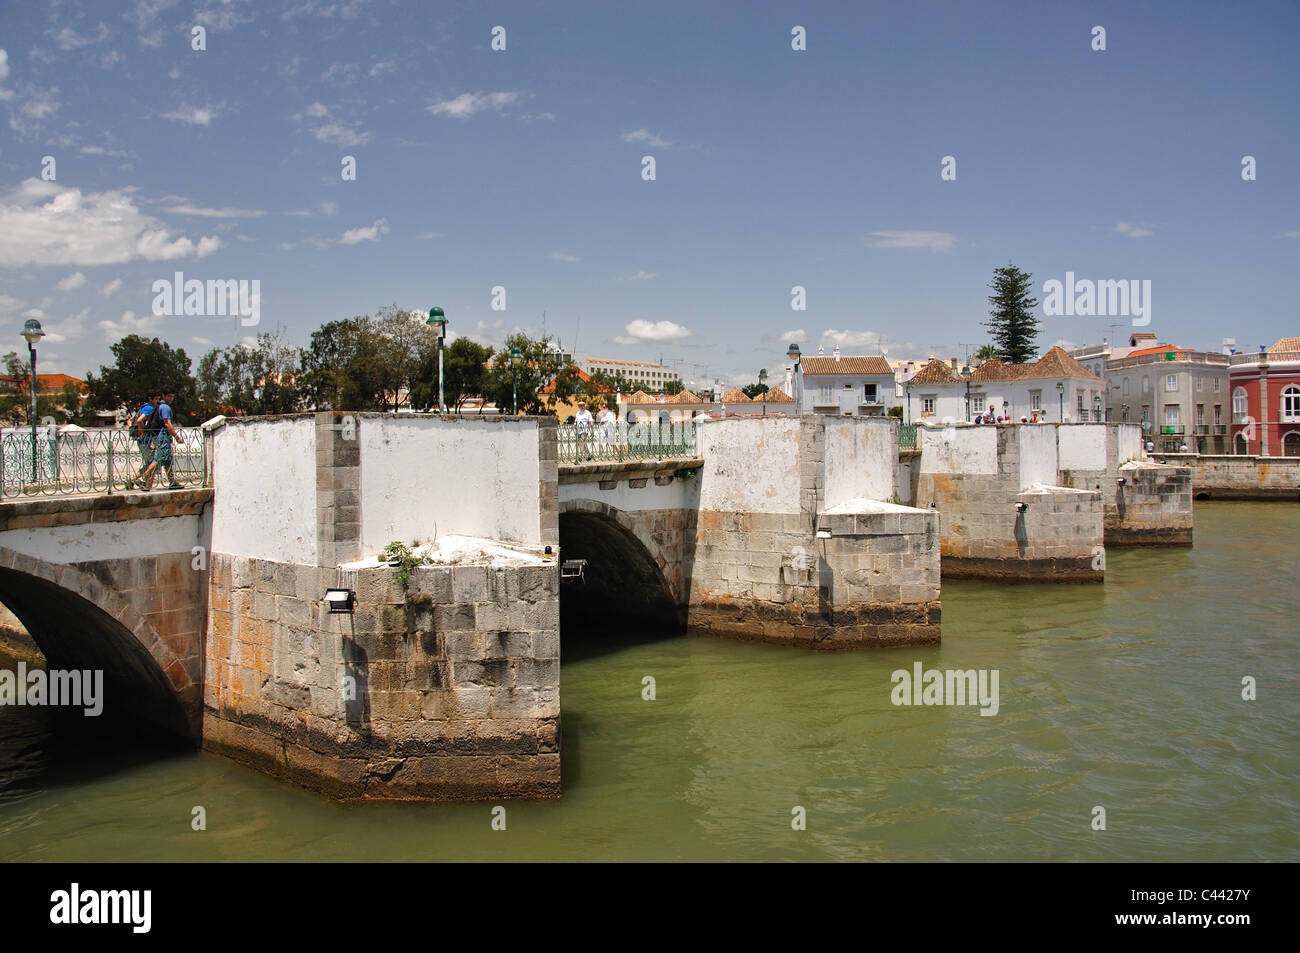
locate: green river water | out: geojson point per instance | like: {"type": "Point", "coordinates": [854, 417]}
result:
{"type": "Point", "coordinates": [1126, 695]}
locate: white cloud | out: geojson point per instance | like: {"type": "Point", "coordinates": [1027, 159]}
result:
{"type": "Point", "coordinates": [69, 39]}
{"type": "Point", "coordinates": [467, 104]}
{"type": "Point", "coordinates": [856, 339]}
{"type": "Point", "coordinates": [562, 256]}
{"type": "Point", "coordinates": [649, 138]}
{"type": "Point", "coordinates": [1134, 231]}
{"type": "Point", "coordinates": [934, 241]}
{"type": "Point", "coordinates": [72, 282]}
{"type": "Point", "coordinates": [1295, 234]}
{"type": "Point", "coordinates": [111, 288]}
{"type": "Point", "coordinates": [9, 304]}
{"type": "Point", "coordinates": [796, 336]}
{"type": "Point", "coordinates": [145, 326]}
{"type": "Point", "coordinates": [205, 342]}
{"type": "Point", "coordinates": [5, 94]}
{"type": "Point", "coordinates": [383, 66]}
{"type": "Point", "coordinates": [146, 14]}
{"type": "Point", "coordinates": [43, 223]}
{"type": "Point", "coordinates": [223, 15]}
{"type": "Point", "coordinates": [69, 329]}
{"type": "Point", "coordinates": [40, 105]}
{"type": "Point", "coordinates": [328, 208]}
{"type": "Point", "coordinates": [194, 115]}
{"type": "Point", "coordinates": [197, 211]}
{"type": "Point", "coordinates": [369, 233]}
{"type": "Point", "coordinates": [641, 330]}
{"type": "Point", "coordinates": [330, 129]}
{"type": "Point", "coordinates": [640, 276]}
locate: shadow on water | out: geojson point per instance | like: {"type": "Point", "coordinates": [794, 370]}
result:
{"type": "Point", "coordinates": [43, 748]}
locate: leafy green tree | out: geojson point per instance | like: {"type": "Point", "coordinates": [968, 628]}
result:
{"type": "Point", "coordinates": [752, 391]}
{"type": "Point", "coordinates": [140, 365]}
{"type": "Point", "coordinates": [613, 383]}
{"type": "Point", "coordinates": [464, 371]}
{"type": "Point", "coordinates": [361, 363]}
{"type": "Point", "coordinates": [987, 352]}
{"type": "Point", "coordinates": [674, 387]}
{"type": "Point", "coordinates": [1011, 323]}
{"type": "Point", "coordinates": [255, 380]}
{"type": "Point", "coordinates": [537, 368]}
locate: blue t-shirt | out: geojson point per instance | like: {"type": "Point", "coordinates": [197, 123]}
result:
{"type": "Point", "coordinates": [164, 411]}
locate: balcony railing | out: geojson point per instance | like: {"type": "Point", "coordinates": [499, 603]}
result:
{"type": "Point", "coordinates": [1272, 357]}
{"type": "Point", "coordinates": [606, 443]}
{"type": "Point", "coordinates": [1180, 357]}
{"type": "Point", "coordinates": [907, 437]}
{"type": "Point", "coordinates": [89, 461]}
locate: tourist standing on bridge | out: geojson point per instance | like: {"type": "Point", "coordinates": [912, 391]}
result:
{"type": "Point", "coordinates": [582, 427]}
{"type": "Point", "coordinates": [165, 433]}
{"type": "Point", "coordinates": [608, 427]}
{"type": "Point", "coordinates": [143, 439]}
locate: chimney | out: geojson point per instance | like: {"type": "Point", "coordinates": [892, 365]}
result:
{"type": "Point", "coordinates": [836, 352]}
{"type": "Point", "coordinates": [952, 361]}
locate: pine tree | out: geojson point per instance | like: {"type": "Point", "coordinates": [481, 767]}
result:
{"type": "Point", "coordinates": [1011, 323]}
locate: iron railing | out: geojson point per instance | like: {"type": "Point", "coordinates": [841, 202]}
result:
{"type": "Point", "coordinates": [907, 436]}
{"type": "Point", "coordinates": [77, 461]}
{"type": "Point", "coordinates": [617, 442]}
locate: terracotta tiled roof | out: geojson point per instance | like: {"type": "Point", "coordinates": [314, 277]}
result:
{"type": "Point", "coordinates": [823, 366]}
{"type": "Point", "coordinates": [995, 370]}
{"type": "Point", "coordinates": [640, 397]}
{"type": "Point", "coordinates": [935, 372]}
{"type": "Point", "coordinates": [778, 396]}
{"type": "Point", "coordinates": [1286, 344]}
{"type": "Point", "coordinates": [735, 396]}
{"type": "Point", "coordinates": [1057, 363]}
{"type": "Point", "coordinates": [1143, 336]}
{"type": "Point", "coordinates": [685, 397]}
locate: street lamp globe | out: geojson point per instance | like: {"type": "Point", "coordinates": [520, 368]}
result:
{"type": "Point", "coordinates": [793, 353]}
{"type": "Point", "coordinates": [762, 376]}
{"type": "Point", "coordinates": [516, 355]}
{"type": "Point", "coordinates": [32, 331]}
{"type": "Point", "coordinates": [438, 319]}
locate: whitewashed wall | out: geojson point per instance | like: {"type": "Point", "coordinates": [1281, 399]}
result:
{"type": "Point", "coordinates": [861, 459]}
{"type": "Point", "coordinates": [126, 539]}
{"type": "Point", "coordinates": [264, 490]}
{"type": "Point", "coordinates": [751, 465]}
{"type": "Point", "coordinates": [963, 449]}
{"type": "Point", "coordinates": [1038, 460]}
{"type": "Point", "coordinates": [463, 477]}
{"type": "Point", "coordinates": [1129, 445]}
{"type": "Point", "coordinates": [1082, 447]}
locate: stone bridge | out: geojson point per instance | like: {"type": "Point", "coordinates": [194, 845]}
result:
{"type": "Point", "coordinates": [207, 609]}
{"type": "Point", "coordinates": [116, 583]}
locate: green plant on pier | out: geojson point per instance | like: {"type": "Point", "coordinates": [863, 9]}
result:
{"type": "Point", "coordinates": [399, 555]}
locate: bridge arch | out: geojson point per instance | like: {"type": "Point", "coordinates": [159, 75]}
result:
{"type": "Point", "coordinates": [625, 583]}
{"type": "Point", "coordinates": [78, 622]}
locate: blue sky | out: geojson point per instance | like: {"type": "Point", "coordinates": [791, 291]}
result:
{"type": "Point", "coordinates": [774, 168]}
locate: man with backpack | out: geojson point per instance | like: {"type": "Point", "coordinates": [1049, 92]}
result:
{"type": "Point", "coordinates": [143, 440]}
{"type": "Point", "coordinates": [163, 432]}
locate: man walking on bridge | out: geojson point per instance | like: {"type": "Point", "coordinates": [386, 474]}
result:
{"type": "Point", "coordinates": [143, 439]}
{"type": "Point", "coordinates": [160, 421]}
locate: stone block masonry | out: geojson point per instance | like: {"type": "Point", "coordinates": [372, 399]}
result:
{"type": "Point", "coordinates": [994, 526]}
{"type": "Point", "coordinates": [761, 571]}
{"type": "Point", "coordinates": [448, 690]}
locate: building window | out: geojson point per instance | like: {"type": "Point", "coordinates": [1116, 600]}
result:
{"type": "Point", "coordinates": [1200, 415]}
{"type": "Point", "coordinates": [1216, 384]}
{"type": "Point", "coordinates": [869, 393]}
{"type": "Point", "coordinates": [825, 396]}
{"type": "Point", "coordinates": [1126, 387]}
{"type": "Point", "coordinates": [1218, 414]}
{"type": "Point", "coordinates": [977, 403]}
{"type": "Point", "coordinates": [1239, 405]}
{"type": "Point", "coordinates": [1291, 403]}
{"type": "Point", "coordinates": [1200, 383]}
{"type": "Point", "coordinates": [1078, 404]}
{"type": "Point", "coordinates": [927, 405]}
{"type": "Point", "coordinates": [1146, 384]}
{"type": "Point", "coordinates": [1171, 417]}
{"type": "Point", "coordinates": [1171, 382]}
{"type": "Point", "coordinates": [1035, 400]}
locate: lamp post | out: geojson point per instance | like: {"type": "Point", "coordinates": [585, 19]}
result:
{"type": "Point", "coordinates": [1096, 407]}
{"type": "Point", "coordinates": [33, 333]}
{"type": "Point", "coordinates": [1060, 396]}
{"type": "Point", "coordinates": [793, 354]}
{"type": "Point", "coordinates": [965, 372]}
{"type": "Point", "coordinates": [762, 387]}
{"type": "Point", "coordinates": [515, 355]}
{"type": "Point", "coordinates": [439, 320]}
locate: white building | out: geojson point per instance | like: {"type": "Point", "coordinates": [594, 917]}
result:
{"type": "Point", "coordinates": [848, 386]}
{"type": "Point", "coordinates": [644, 374]}
{"type": "Point", "coordinates": [1053, 388]}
